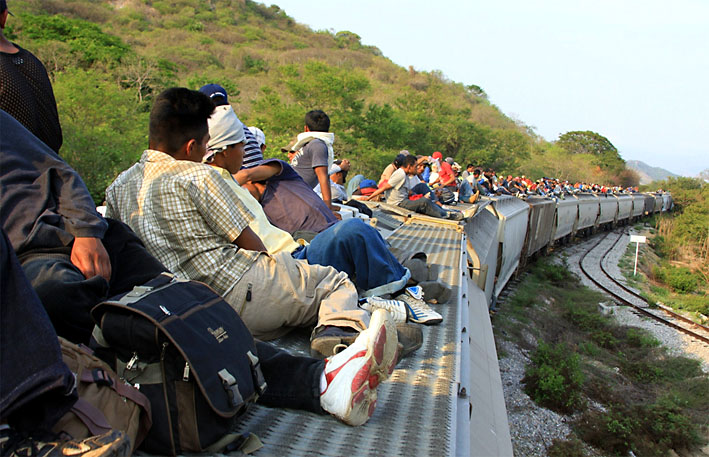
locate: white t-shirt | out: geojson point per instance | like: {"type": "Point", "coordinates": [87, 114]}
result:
{"type": "Point", "coordinates": [400, 186]}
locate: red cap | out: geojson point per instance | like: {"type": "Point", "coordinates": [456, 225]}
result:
{"type": "Point", "coordinates": [437, 155]}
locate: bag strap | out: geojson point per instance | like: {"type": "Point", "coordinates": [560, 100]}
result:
{"type": "Point", "coordinates": [100, 377]}
{"type": "Point", "coordinates": [91, 416]}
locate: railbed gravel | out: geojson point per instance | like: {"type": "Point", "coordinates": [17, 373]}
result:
{"type": "Point", "coordinates": [534, 428]}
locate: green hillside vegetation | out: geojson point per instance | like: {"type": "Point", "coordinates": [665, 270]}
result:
{"type": "Point", "coordinates": [108, 59]}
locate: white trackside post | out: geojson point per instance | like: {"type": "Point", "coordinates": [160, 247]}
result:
{"type": "Point", "coordinates": [637, 239]}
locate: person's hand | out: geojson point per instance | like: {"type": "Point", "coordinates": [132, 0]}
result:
{"type": "Point", "coordinates": [345, 165]}
{"type": "Point", "coordinates": [90, 257]}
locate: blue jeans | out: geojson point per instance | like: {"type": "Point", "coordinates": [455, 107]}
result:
{"type": "Point", "coordinates": [465, 191]}
{"type": "Point", "coordinates": [360, 251]}
{"type": "Point", "coordinates": [68, 296]}
{"type": "Point", "coordinates": [423, 189]}
{"type": "Point", "coordinates": [35, 385]}
{"type": "Point", "coordinates": [424, 206]}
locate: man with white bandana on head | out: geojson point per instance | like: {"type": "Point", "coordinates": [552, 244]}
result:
{"type": "Point", "coordinates": [350, 246]}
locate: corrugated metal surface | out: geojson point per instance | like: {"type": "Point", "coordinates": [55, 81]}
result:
{"type": "Point", "coordinates": [482, 245]}
{"type": "Point", "coordinates": [658, 203]}
{"type": "Point", "coordinates": [541, 224]}
{"type": "Point", "coordinates": [649, 203]}
{"type": "Point", "coordinates": [609, 208]}
{"type": "Point", "coordinates": [588, 211]}
{"type": "Point", "coordinates": [566, 213]}
{"type": "Point", "coordinates": [416, 409]}
{"type": "Point", "coordinates": [513, 214]}
{"type": "Point", "coordinates": [638, 205]}
{"type": "Point", "coordinates": [625, 206]}
{"type": "Point", "coordinates": [666, 202]}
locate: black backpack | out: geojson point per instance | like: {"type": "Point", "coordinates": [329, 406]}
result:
{"type": "Point", "coordinates": [189, 352]}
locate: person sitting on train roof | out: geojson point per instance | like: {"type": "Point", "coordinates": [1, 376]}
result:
{"type": "Point", "coordinates": [350, 246]}
{"type": "Point", "coordinates": [337, 190]}
{"type": "Point", "coordinates": [314, 153]}
{"type": "Point", "coordinates": [253, 155]}
{"type": "Point", "coordinates": [189, 218]}
{"type": "Point", "coordinates": [392, 167]}
{"type": "Point", "coordinates": [400, 185]}
{"type": "Point", "coordinates": [73, 257]}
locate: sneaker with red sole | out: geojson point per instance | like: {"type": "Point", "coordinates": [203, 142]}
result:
{"type": "Point", "coordinates": [352, 376]}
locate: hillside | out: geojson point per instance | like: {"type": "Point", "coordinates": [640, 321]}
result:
{"type": "Point", "coordinates": [109, 58]}
{"type": "Point", "coordinates": [649, 173]}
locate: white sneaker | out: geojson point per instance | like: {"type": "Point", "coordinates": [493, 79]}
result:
{"type": "Point", "coordinates": [353, 375]}
{"type": "Point", "coordinates": [396, 308]}
{"type": "Point", "coordinates": [417, 309]}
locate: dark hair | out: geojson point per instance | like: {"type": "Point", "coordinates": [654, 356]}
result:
{"type": "Point", "coordinates": [470, 165]}
{"type": "Point", "coordinates": [408, 161]}
{"type": "Point", "coordinates": [399, 160]}
{"type": "Point", "coordinates": [477, 171]}
{"type": "Point", "coordinates": [3, 6]}
{"type": "Point", "coordinates": [317, 121]}
{"type": "Point", "coordinates": [179, 115]}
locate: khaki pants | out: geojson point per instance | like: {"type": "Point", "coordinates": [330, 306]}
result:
{"type": "Point", "coordinates": [287, 293]}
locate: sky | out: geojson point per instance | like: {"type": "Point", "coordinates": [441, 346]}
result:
{"type": "Point", "coordinates": [637, 72]}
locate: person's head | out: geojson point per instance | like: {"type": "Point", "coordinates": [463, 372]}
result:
{"type": "Point", "coordinates": [3, 14]}
{"type": "Point", "coordinates": [437, 155]}
{"type": "Point", "coordinates": [469, 167]}
{"type": "Point", "coordinates": [421, 164]}
{"type": "Point", "coordinates": [476, 172]}
{"type": "Point", "coordinates": [399, 160]}
{"type": "Point", "coordinates": [260, 138]}
{"type": "Point", "coordinates": [344, 169]}
{"type": "Point", "coordinates": [225, 148]}
{"type": "Point", "coordinates": [216, 92]}
{"type": "Point", "coordinates": [409, 165]}
{"type": "Point", "coordinates": [317, 121]}
{"type": "Point", "coordinates": [335, 173]}
{"type": "Point", "coordinates": [178, 123]}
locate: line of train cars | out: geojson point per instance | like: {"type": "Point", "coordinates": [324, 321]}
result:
{"type": "Point", "coordinates": [507, 231]}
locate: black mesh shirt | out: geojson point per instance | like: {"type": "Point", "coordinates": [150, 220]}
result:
{"type": "Point", "coordinates": [26, 94]}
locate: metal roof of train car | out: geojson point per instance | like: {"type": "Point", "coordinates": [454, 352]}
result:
{"type": "Point", "coordinates": [444, 399]}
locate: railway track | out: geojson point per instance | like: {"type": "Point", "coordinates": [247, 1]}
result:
{"type": "Point", "coordinates": [615, 289]}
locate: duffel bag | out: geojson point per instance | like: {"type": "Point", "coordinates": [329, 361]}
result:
{"type": "Point", "coordinates": [189, 352]}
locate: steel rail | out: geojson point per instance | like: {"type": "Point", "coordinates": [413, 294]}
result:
{"type": "Point", "coordinates": [626, 302]}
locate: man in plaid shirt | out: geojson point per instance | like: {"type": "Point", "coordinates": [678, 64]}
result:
{"type": "Point", "coordinates": [190, 219]}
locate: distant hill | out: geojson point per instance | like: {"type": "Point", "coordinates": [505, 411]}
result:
{"type": "Point", "coordinates": [648, 173]}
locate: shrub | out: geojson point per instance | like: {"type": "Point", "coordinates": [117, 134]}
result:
{"type": "Point", "coordinates": [566, 448]}
{"type": "Point", "coordinates": [640, 338]}
{"type": "Point", "coordinates": [554, 379]}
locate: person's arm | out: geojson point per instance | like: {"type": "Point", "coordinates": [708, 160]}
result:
{"type": "Point", "coordinates": [448, 182]}
{"type": "Point", "coordinates": [249, 240]}
{"type": "Point", "coordinates": [382, 189]}
{"type": "Point", "coordinates": [259, 173]}
{"type": "Point", "coordinates": [324, 180]}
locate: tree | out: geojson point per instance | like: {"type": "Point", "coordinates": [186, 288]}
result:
{"type": "Point", "coordinates": [587, 142]}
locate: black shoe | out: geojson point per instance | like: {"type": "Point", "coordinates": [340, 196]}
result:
{"type": "Point", "coordinates": [110, 444]}
{"type": "Point", "coordinates": [329, 340]}
{"type": "Point", "coordinates": [455, 215]}
{"type": "Point", "coordinates": [410, 338]}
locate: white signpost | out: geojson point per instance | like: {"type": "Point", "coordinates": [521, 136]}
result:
{"type": "Point", "coordinates": [637, 239]}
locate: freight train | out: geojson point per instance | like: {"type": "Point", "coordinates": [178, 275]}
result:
{"type": "Point", "coordinates": [446, 399]}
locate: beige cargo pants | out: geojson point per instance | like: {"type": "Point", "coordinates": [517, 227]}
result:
{"type": "Point", "coordinates": [279, 292]}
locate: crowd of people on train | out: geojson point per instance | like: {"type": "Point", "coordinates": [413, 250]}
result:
{"type": "Point", "coordinates": [203, 203]}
